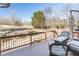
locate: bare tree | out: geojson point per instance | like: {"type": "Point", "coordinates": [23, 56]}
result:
{"type": "Point", "coordinates": [66, 10]}
{"type": "Point", "coordinates": [51, 16]}
{"type": "Point", "coordinates": [17, 21]}
{"type": "Point", "coordinates": [48, 12]}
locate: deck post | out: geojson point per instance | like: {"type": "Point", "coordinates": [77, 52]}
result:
{"type": "Point", "coordinates": [45, 35]}
{"type": "Point", "coordinates": [30, 39]}
{"type": "Point", "coordinates": [54, 33]}
{"type": "Point", "coordinates": [0, 47]}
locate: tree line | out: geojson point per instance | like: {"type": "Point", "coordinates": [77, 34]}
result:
{"type": "Point", "coordinates": [41, 19]}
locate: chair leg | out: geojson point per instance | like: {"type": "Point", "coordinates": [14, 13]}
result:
{"type": "Point", "coordinates": [67, 52]}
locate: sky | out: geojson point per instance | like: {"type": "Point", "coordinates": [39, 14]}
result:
{"type": "Point", "coordinates": [25, 10]}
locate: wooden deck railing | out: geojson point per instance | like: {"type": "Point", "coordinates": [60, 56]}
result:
{"type": "Point", "coordinates": [15, 41]}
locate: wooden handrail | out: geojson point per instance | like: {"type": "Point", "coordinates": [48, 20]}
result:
{"type": "Point", "coordinates": [21, 35]}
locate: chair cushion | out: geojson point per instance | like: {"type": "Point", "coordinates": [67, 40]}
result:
{"type": "Point", "coordinates": [58, 50]}
{"type": "Point", "coordinates": [60, 39]}
{"type": "Point", "coordinates": [74, 44]}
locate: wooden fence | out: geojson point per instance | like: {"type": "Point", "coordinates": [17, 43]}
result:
{"type": "Point", "coordinates": [15, 41]}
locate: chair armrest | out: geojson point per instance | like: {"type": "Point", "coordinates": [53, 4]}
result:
{"type": "Point", "coordinates": [58, 44]}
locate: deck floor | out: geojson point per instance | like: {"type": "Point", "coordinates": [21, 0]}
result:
{"type": "Point", "coordinates": [37, 49]}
